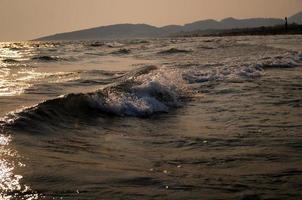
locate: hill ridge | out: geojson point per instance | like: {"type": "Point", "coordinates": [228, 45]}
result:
{"type": "Point", "coordinates": [141, 30]}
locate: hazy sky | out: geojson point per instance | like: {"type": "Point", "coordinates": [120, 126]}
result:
{"type": "Point", "coordinates": [28, 19]}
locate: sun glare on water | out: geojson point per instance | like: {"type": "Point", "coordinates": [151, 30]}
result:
{"type": "Point", "coordinates": [18, 73]}
{"type": "Point", "coordinates": [9, 68]}
{"type": "Point", "coordinates": [10, 182]}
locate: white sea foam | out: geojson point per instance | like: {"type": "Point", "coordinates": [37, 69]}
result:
{"type": "Point", "coordinates": [151, 89]}
{"type": "Point", "coordinates": [145, 94]}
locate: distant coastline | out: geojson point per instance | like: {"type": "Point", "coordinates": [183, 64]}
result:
{"type": "Point", "coordinates": [293, 29]}
{"type": "Point", "coordinates": [210, 27]}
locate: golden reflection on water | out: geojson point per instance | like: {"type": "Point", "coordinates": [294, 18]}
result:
{"type": "Point", "coordinates": [11, 84]}
{"type": "Point", "coordinates": [8, 85]}
{"type": "Point", "coordinates": [16, 77]}
{"type": "Point", "coordinates": [10, 183]}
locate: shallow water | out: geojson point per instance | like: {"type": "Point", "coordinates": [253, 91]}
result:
{"type": "Point", "coordinates": [189, 118]}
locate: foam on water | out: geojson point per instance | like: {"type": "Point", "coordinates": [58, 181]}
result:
{"type": "Point", "coordinates": [139, 93]}
{"type": "Point", "coordinates": [146, 91]}
{"type": "Point", "coordinates": [281, 61]}
{"type": "Point", "coordinates": [232, 109]}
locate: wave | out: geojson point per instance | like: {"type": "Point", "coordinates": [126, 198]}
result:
{"type": "Point", "coordinates": [96, 54]}
{"type": "Point", "coordinates": [46, 58]}
{"type": "Point", "coordinates": [174, 51]}
{"type": "Point", "coordinates": [10, 61]}
{"type": "Point", "coordinates": [223, 73]}
{"type": "Point", "coordinates": [114, 44]}
{"type": "Point", "coordinates": [137, 41]}
{"type": "Point", "coordinates": [283, 61]}
{"type": "Point", "coordinates": [139, 93]}
{"type": "Point", "coordinates": [15, 48]}
{"type": "Point", "coordinates": [207, 47]}
{"type": "Point", "coordinates": [122, 51]}
{"type": "Point", "coordinates": [242, 71]}
{"type": "Point", "coordinates": [97, 44]}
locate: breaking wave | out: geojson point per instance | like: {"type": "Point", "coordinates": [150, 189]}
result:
{"type": "Point", "coordinates": [285, 61]}
{"type": "Point", "coordinates": [138, 93]}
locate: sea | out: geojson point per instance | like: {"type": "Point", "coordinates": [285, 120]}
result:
{"type": "Point", "coordinates": [169, 118]}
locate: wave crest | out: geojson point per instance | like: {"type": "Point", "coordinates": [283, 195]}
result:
{"type": "Point", "coordinates": [139, 93]}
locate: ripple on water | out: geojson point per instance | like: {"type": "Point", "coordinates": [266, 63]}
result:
{"type": "Point", "coordinates": [11, 186]}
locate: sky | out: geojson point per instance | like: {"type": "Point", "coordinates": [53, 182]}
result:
{"type": "Point", "coordinates": [29, 19]}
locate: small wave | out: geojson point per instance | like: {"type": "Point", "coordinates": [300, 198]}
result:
{"type": "Point", "coordinates": [209, 40]}
{"type": "Point", "coordinates": [139, 42]}
{"type": "Point", "coordinates": [10, 61]}
{"type": "Point", "coordinates": [97, 44]}
{"type": "Point", "coordinates": [113, 44]}
{"type": "Point", "coordinates": [46, 58]}
{"type": "Point", "coordinates": [53, 58]}
{"type": "Point", "coordinates": [249, 70]}
{"type": "Point", "coordinates": [140, 93]}
{"type": "Point", "coordinates": [298, 56]}
{"type": "Point", "coordinates": [207, 47]}
{"type": "Point", "coordinates": [96, 54]}
{"type": "Point", "coordinates": [278, 65]}
{"type": "Point", "coordinates": [281, 61]}
{"type": "Point", "coordinates": [223, 73]}
{"type": "Point", "coordinates": [175, 51]}
{"type": "Point", "coordinates": [122, 51]}
{"type": "Point", "coordinates": [15, 48]}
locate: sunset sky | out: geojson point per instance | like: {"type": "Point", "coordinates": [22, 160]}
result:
{"type": "Point", "coordinates": [28, 19]}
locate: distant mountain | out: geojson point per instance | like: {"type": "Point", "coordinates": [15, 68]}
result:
{"type": "Point", "coordinates": [128, 31]}
{"type": "Point", "coordinates": [109, 32]}
{"type": "Point", "coordinates": [230, 23]}
{"type": "Point", "coordinates": [297, 18]}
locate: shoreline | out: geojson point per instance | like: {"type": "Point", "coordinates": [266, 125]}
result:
{"type": "Point", "coordinates": [293, 29]}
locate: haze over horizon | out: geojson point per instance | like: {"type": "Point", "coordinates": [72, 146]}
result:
{"type": "Point", "coordinates": [24, 20]}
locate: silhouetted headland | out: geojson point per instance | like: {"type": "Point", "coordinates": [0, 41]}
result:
{"type": "Point", "coordinates": [228, 26]}
{"type": "Point", "coordinates": [291, 29]}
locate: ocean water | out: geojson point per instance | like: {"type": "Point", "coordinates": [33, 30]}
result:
{"type": "Point", "coordinates": [174, 118]}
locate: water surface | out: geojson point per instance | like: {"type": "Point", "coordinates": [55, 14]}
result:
{"type": "Point", "coordinates": [186, 118]}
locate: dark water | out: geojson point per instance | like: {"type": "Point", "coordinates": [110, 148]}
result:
{"type": "Point", "coordinates": [192, 118]}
